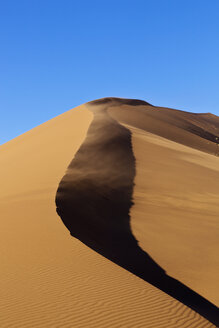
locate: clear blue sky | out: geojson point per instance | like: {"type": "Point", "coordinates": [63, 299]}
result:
{"type": "Point", "coordinates": [56, 55]}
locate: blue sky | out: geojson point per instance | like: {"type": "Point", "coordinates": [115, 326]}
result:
{"type": "Point", "coordinates": [56, 55]}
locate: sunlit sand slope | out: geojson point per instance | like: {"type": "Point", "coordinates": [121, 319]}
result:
{"type": "Point", "coordinates": [49, 278]}
{"type": "Point", "coordinates": [176, 201]}
{"type": "Point", "coordinates": [176, 210]}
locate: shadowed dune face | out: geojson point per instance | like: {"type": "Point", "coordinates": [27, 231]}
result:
{"type": "Point", "coordinates": [95, 196]}
{"type": "Point", "coordinates": [99, 183]}
{"type": "Point", "coordinates": [94, 200]}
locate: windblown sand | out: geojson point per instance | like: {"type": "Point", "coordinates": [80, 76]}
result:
{"type": "Point", "coordinates": [51, 279]}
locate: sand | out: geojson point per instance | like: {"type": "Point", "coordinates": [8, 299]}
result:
{"type": "Point", "coordinates": [51, 279]}
{"type": "Point", "coordinates": [177, 221]}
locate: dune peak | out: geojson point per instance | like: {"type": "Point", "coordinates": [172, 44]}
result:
{"type": "Point", "coordinates": [121, 101]}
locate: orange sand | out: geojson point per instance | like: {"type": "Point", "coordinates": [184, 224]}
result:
{"type": "Point", "coordinates": [50, 279]}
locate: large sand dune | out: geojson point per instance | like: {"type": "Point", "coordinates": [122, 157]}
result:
{"type": "Point", "coordinates": [137, 187]}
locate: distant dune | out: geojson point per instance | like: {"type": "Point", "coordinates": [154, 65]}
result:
{"type": "Point", "coordinates": [137, 188]}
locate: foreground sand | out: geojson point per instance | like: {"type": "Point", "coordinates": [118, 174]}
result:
{"type": "Point", "coordinates": [50, 279]}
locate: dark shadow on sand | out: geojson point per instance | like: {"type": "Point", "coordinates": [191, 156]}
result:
{"type": "Point", "coordinates": [94, 200]}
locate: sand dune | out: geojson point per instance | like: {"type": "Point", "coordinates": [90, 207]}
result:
{"type": "Point", "coordinates": [139, 191]}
